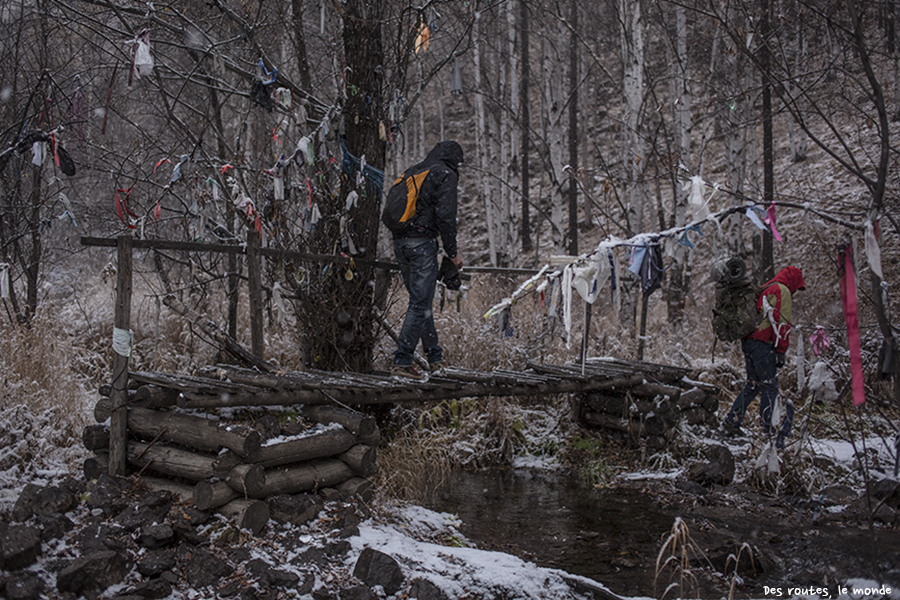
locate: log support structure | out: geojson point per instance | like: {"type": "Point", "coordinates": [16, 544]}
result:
{"type": "Point", "coordinates": [165, 426]}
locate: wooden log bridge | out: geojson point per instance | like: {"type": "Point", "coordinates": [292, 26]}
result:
{"type": "Point", "coordinates": [229, 386]}
{"type": "Point", "coordinates": [174, 428]}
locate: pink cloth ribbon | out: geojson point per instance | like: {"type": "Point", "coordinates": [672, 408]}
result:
{"type": "Point", "coordinates": [819, 341]}
{"type": "Point", "coordinates": [770, 221]}
{"type": "Point", "coordinates": [849, 302]}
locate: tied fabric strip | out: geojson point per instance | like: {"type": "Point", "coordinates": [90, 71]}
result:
{"type": "Point", "coordinates": [819, 341]}
{"type": "Point", "coordinates": [873, 252]}
{"type": "Point", "coordinates": [751, 214]}
{"type": "Point", "coordinates": [123, 341]}
{"type": "Point", "coordinates": [849, 302]}
{"type": "Point", "coordinates": [123, 210]}
{"type": "Point", "coordinates": [770, 220]}
{"type": "Point", "coordinates": [4, 280]}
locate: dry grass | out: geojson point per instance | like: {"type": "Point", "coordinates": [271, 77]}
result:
{"type": "Point", "coordinates": [44, 401]}
{"type": "Point", "coordinates": [676, 561]}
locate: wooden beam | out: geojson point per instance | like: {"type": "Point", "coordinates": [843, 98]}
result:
{"type": "Point", "coordinates": [247, 514]}
{"type": "Point", "coordinates": [314, 475]}
{"type": "Point", "coordinates": [171, 461]}
{"type": "Point", "coordinates": [209, 494]}
{"type": "Point", "coordinates": [362, 459]}
{"type": "Point", "coordinates": [254, 277]}
{"type": "Point", "coordinates": [118, 430]}
{"type": "Point", "coordinates": [208, 435]}
{"type": "Point", "coordinates": [353, 421]}
{"type": "Point", "coordinates": [319, 444]}
{"type": "Point", "coordinates": [225, 342]}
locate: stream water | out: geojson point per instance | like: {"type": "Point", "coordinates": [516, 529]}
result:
{"type": "Point", "coordinates": [610, 536]}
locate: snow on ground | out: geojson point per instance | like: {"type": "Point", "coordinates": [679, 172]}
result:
{"type": "Point", "coordinates": [427, 544]}
{"type": "Point", "coordinates": [459, 571]}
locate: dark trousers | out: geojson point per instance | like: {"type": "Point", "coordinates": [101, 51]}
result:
{"type": "Point", "coordinates": [762, 381]}
{"type": "Point", "coordinates": [418, 259]}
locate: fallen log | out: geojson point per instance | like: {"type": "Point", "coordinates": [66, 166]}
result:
{"type": "Point", "coordinates": [319, 444]}
{"type": "Point", "coordinates": [171, 461]}
{"type": "Point", "coordinates": [362, 459]}
{"type": "Point", "coordinates": [372, 439]}
{"type": "Point", "coordinates": [190, 383]}
{"type": "Point", "coordinates": [197, 432]}
{"type": "Point", "coordinates": [247, 480]}
{"type": "Point", "coordinates": [623, 405]}
{"type": "Point", "coordinates": [251, 515]}
{"type": "Point", "coordinates": [615, 423]}
{"type": "Point", "coordinates": [103, 408]}
{"type": "Point", "coordinates": [96, 465]}
{"type": "Point", "coordinates": [105, 389]}
{"type": "Point", "coordinates": [357, 486]}
{"type": "Point", "coordinates": [181, 491]}
{"type": "Point", "coordinates": [210, 494]}
{"type": "Point", "coordinates": [210, 328]}
{"type": "Point", "coordinates": [190, 399]}
{"type": "Point", "coordinates": [224, 463]}
{"type": "Point", "coordinates": [292, 480]}
{"type": "Point", "coordinates": [153, 396]}
{"type": "Point", "coordinates": [656, 389]}
{"type": "Point", "coordinates": [95, 437]}
{"type": "Point", "coordinates": [692, 397]}
{"type": "Point", "coordinates": [353, 421]}
{"type": "Point", "coordinates": [654, 426]}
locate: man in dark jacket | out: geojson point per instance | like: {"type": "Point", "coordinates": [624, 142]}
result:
{"type": "Point", "coordinates": [764, 351]}
{"type": "Point", "coordinates": [416, 249]}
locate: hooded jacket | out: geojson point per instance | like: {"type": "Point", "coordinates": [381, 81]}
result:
{"type": "Point", "coordinates": [437, 204]}
{"type": "Point", "coordinates": [775, 303]}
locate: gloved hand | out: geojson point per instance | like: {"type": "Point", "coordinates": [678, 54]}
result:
{"type": "Point", "coordinates": [779, 360]}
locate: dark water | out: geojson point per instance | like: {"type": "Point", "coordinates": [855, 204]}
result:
{"type": "Point", "coordinates": [611, 536]}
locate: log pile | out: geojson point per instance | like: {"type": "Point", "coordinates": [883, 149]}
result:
{"type": "Point", "coordinates": [235, 468]}
{"type": "Point", "coordinates": [649, 413]}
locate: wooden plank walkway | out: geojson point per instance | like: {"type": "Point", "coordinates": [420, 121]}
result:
{"type": "Point", "coordinates": [229, 386]}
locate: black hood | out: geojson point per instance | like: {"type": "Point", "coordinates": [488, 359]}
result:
{"type": "Point", "coordinates": [449, 152]}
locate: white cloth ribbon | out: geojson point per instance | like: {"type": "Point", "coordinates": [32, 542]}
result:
{"type": "Point", "coordinates": [4, 280]}
{"type": "Point", "coordinates": [123, 340]}
{"type": "Point", "coordinates": [768, 460]}
{"type": "Point", "coordinates": [873, 252]}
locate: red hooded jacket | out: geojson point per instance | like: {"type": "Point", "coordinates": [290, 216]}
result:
{"type": "Point", "coordinates": [776, 295]}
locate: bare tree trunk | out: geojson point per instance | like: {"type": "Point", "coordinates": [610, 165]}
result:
{"type": "Point", "coordinates": [554, 134]}
{"type": "Point", "coordinates": [340, 317]}
{"type": "Point", "coordinates": [300, 45]}
{"type": "Point", "coordinates": [681, 83]}
{"type": "Point", "coordinates": [768, 261]}
{"type": "Point", "coordinates": [573, 129]}
{"type": "Point", "coordinates": [32, 267]}
{"type": "Point", "coordinates": [481, 142]}
{"type": "Point", "coordinates": [513, 149]}
{"type": "Point", "coordinates": [633, 85]}
{"type": "Point", "coordinates": [524, 117]}
{"type": "Point", "coordinates": [798, 138]}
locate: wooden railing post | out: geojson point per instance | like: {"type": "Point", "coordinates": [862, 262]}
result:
{"type": "Point", "coordinates": [118, 426]}
{"type": "Point", "coordinates": [257, 342]}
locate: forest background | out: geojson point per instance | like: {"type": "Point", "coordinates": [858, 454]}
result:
{"type": "Point", "coordinates": [585, 126]}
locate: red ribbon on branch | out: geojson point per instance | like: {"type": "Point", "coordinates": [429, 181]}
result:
{"type": "Point", "coordinates": [122, 208]}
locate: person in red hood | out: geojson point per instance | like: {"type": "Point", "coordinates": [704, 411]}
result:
{"type": "Point", "coordinates": [764, 351]}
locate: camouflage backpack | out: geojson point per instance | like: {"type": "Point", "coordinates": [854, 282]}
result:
{"type": "Point", "coordinates": [734, 314]}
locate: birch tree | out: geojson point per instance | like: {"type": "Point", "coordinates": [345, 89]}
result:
{"type": "Point", "coordinates": [682, 102]}
{"type": "Point", "coordinates": [632, 48]}
{"type": "Point", "coordinates": [552, 126]}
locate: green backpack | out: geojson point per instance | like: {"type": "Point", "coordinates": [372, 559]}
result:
{"type": "Point", "coordinates": [734, 314]}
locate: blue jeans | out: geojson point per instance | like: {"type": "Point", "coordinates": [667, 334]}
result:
{"type": "Point", "coordinates": [418, 259]}
{"type": "Point", "coordinates": [762, 380]}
